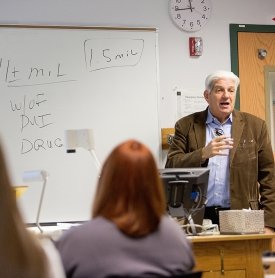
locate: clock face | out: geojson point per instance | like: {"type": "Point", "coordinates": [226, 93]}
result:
{"type": "Point", "coordinates": [190, 15]}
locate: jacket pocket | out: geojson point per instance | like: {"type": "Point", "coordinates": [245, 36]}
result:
{"type": "Point", "coordinates": [245, 154]}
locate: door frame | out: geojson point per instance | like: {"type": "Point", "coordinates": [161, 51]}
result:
{"type": "Point", "coordinates": [269, 103]}
{"type": "Point", "coordinates": [233, 32]}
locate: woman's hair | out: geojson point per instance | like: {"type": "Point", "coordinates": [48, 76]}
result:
{"type": "Point", "coordinates": [130, 192]}
{"type": "Point", "coordinates": [213, 77]}
{"type": "Point", "coordinates": [20, 253]}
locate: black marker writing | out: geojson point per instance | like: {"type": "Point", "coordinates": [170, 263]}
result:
{"type": "Point", "coordinates": [107, 53]}
{"type": "Point", "coordinates": [40, 144]}
{"type": "Point", "coordinates": [28, 104]}
{"type": "Point", "coordinates": [33, 75]}
{"type": "Point", "coordinates": [40, 121]}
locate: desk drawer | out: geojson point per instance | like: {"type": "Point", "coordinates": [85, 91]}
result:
{"type": "Point", "coordinates": [218, 256]}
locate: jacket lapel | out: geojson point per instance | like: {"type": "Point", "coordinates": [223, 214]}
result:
{"type": "Point", "coordinates": [237, 130]}
{"type": "Point", "coordinates": [200, 128]}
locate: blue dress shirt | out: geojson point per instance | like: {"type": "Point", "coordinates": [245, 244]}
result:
{"type": "Point", "coordinates": [218, 185]}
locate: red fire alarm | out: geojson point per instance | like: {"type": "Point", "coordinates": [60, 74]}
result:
{"type": "Point", "coordinates": [195, 46]}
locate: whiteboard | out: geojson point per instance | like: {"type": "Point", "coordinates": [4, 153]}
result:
{"type": "Point", "coordinates": [57, 78]}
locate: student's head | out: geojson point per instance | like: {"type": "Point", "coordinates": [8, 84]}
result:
{"type": "Point", "coordinates": [20, 253]}
{"type": "Point", "coordinates": [130, 191]}
{"type": "Point", "coordinates": [220, 93]}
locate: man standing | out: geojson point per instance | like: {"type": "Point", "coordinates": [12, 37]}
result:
{"type": "Point", "coordinates": [234, 145]}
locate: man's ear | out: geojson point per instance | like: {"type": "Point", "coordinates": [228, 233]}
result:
{"type": "Point", "coordinates": [206, 95]}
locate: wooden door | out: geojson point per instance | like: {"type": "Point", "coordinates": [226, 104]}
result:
{"type": "Point", "coordinates": [251, 70]}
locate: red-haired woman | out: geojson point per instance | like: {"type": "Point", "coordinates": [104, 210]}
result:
{"type": "Point", "coordinates": [129, 233]}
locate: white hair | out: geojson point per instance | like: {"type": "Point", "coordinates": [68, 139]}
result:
{"type": "Point", "coordinates": [213, 77]}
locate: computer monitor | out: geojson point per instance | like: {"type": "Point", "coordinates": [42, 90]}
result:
{"type": "Point", "coordinates": [186, 194]}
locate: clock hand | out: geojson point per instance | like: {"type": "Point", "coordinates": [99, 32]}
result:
{"type": "Point", "coordinates": [178, 9]}
{"type": "Point", "coordinates": [190, 6]}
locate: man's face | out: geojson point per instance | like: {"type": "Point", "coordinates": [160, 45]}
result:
{"type": "Point", "coordinates": [221, 99]}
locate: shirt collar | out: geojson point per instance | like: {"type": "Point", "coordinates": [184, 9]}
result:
{"type": "Point", "coordinates": [210, 118]}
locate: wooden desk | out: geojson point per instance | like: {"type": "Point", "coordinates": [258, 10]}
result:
{"type": "Point", "coordinates": [231, 256]}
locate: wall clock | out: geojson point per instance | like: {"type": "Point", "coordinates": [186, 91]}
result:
{"type": "Point", "coordinates": [190, 15]}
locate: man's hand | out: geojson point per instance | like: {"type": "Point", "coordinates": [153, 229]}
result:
{"type": "Point", "coordinates": [217, 146]}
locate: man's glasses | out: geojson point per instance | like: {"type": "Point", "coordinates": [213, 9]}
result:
{"type": "Point", "coordinates": [218, 132]}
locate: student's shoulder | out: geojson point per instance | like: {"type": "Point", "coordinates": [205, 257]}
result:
{"type": "Point", "coordinates": [168, 223]}
{"type": "Point", "coordinates": [77, 236]}
{"type": "Point", "coordinates": [93, 226]}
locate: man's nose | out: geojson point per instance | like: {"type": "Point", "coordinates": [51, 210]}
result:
{"type": "Point", "coordinates": [226, 93]}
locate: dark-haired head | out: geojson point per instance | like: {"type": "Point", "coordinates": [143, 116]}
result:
{"type": "Point", "coordinates": [130, 192]}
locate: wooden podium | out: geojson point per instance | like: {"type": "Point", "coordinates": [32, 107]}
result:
{"type": "Point", "coordinates": [231, 256]}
